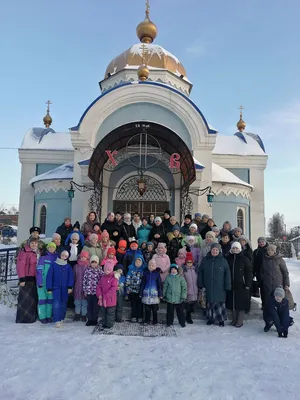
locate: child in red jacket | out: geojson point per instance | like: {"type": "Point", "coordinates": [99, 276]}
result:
{"type": "Point", "coordinates": [107, 295]}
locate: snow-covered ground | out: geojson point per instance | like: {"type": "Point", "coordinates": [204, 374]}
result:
{"type": "Point", "coordinates": [42, 363]}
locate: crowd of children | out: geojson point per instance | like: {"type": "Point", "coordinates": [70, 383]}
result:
{"type": "Point", "coordinates": [147, 262]}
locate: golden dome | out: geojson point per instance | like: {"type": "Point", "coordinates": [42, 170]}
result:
{"type": "Point", "coordinates": [241, 125]}
{"type": "Point", "coordinates": [143, 72]}
{"type": "Point", "coordinates": [47, 120]}
{"type": "Point", "coordinates": [156, 57]}
{"type": "Point", "coordinates": [146, 31]}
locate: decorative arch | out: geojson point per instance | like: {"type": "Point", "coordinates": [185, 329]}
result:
{"type": "Point", "coordinates": [84, 134]}
{"type": "Point", "coordinates": [43, 218]}
{"type": "Point", "coordinates": [168, 140]}
{"type": "Point", "coordinates": [128, 190]}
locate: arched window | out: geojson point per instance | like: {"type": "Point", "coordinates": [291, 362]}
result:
{"type": "Point", "coordinates": [43, 218]}
{"type": "Point", "coordinates": [241, 219]}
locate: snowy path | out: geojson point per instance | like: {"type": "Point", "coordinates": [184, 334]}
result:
{"type": "Point", "coordinates": [211, 363]}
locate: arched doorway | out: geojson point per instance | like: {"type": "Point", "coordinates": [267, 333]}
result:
{"type": "Point", "coordinates": [154, 201]}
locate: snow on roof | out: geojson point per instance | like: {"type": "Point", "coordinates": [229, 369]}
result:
{"type": "Point", "coordinates": [220, 174]}
{"type": "Point", "coordinates": [237, 146]}
{"type": "Point", "coordinates": [63, 172]}
{"type": "Point", "coordinates": [46, 139]}
{"type": "Point", "coordinates": [152, 49]}
{"type": "Point", "coordinates": [198, 164]}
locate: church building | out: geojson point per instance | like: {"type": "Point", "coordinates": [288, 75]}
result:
{"type": "Point", "coordinates": [142, 146]}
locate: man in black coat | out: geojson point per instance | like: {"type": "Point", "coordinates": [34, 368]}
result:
{"type": "Point", "coordinates": [112, 227]}
{"type": "Point", "coordinates": [65, 229]}
{"type": "Point", "coordinates": [258, 258]}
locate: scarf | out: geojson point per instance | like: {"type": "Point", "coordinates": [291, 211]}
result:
{"type": "Point", "coordinates": [73, 252]}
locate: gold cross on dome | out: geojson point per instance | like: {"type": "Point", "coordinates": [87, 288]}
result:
{"type": "Point", "coordinates": [241, 108]}
{"type": "Point", "coordinates": [143, 52]}
{"type": "Point", "coordinates": [147, 8]}
{"type": "Point", "coordinates": [48, 105]}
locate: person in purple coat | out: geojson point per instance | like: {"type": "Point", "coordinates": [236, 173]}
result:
{"type": "Point", "coordinates": [79, 298]}
{"type": "Point", "coordinates": [59, 282]}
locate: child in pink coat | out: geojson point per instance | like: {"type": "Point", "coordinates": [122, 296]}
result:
{"type": "Point", "coordinates": [180, 259]}
{"type": "Point", "coordinates": [105, 243]}
{"type": "Point", "coordinates": [162, 260]}
{"type": "Point", "coordinates": [111, 255]}
{"type": "Point", "coordinates": [107, 294]}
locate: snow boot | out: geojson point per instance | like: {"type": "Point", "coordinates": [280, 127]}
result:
{"type": "Point", "coordinates": [209, 322]}
{"type": "Point", "coordinates": [89, 323]}
{"type": "Point", "coordinates": [267, 327]}
{"type": "Point", "coordinates": [280, 334]}
{"type": "Point", "coordinates": [44, 321]}
{"type": "Point", "coordinates": [221, 324]}
{"type": "Point", "coordinates": [50, 320]}
{"type": "Point", "coordinates": [83, 318]}
{"type": "Point", "coordinates": [239, 319]}
{"type": "Point", "coordinates": [76, 318]}
{"type": "Point", "coordinates": [285, 334]}
{"type": "Point", "coordinates": [188, 318]}
{"type": "Point", "coordinates": [234, 315]}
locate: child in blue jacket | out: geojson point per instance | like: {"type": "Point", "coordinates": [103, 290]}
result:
{"type": "Point", "coordinates": [59, 282]}
{"type": "Point", "coordinates": [277, 313]}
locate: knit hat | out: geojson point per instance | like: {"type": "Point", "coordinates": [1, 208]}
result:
{"type": "Point", "coordinates": [75, 236]}
{"type": "Point", "coordinates": [67, 219]}
{"type": "Point", "coordinates": [111, 250]}
{"type": "Point", "coordinates": [94, 258]}
{"type": "Point", "coordinates": [85, 254]}
{"type": "Point", "coordinates": [134, 245]}
{"type": "Point", "coordinates": [236, 245]}
{"type": "Point", "coordinates": [189, 257]}
{"type": "Point", "coordinates": [76, 225]}
{"type": "Point", "coordinates": [118, 266]}
{"type": "Point", "coordinates": [176, 228]}
{"type": "Point", "coordinates": [51, 244]}
{"type": "Point", "coordinates": [35, 229]}
{"type": "Point", "coordinates": [104, 234]}
{"type": "Point", "coordinates": [189, 216]}
{"type": "Point", "coordinates": [272, 247]}
{"type": "Point", "coordinates": [261, 239]}
{"type": "Point", "coordinates": [174, 266]}
{"type": "Point", "coordinates": [238, 230]}
{"type": "Point", "coordinates": [93, 235]}
{"type": "Point", "coordinates": [190, 238]}
{"type": "Point", "coordinates": [157, 219]}
{"type": "Point", "coordinates": [197, 215]}
{"type": "Point", "coordinates": [194, 226]}
{"type": "Point", "coordinates": [205, 216]}
{"type": "Point", "coordinates": [150, 244]}
{"type": "Point", "coordinates": [216, 246]}
{"type": "Point", "coordinates": [279, 292]}
{"type": "Point", "coordinates": [215, 229]}
{"type": "Point", "coordinates": [109, 266]}
{"type": "Point", "coordinates": [123, 243]}
{"type": "Point", "coordinates": [211, 234]}
{"type": "Point", "coordinates": [167, 212]}
{"type": "Point", "coordinates": [96, 224]}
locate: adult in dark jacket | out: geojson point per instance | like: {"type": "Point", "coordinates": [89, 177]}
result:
{"type": "Point", "coordinates": [246, 247]}
{"type": "Point", "coordinates": [166, 221]}
{"type": "Point", "coordinates": [214, 276]}
{"type": "Point", "coordinates": [65, 229]}
{"type": "Point", "coordinates": [127, 229]}
{"type": "Point", "coordinates": [210, 224]}
{"type": "Point", "coordinates": [112, 227]}
{"type": "Point", "coordinates": [203, 223]}
{"type": "Point", "coordinates": [225, 244]}
{"type": "Point", "coordinates": [185, 229]}
{"type": "Point", "coordinates": [258, 258]}
{"type": "Point", "coordinates": [274, 272]}
{"type": "Point", "coordinates": [277, 312]}
{"type": "Point", "coordinates": [241, 279]}
{"type": "Point", "coordinates": [158, 232]}
{"type": "Point", "coordinates": [175, 244]}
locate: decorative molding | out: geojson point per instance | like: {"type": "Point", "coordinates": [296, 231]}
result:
{"type": "Point", "coordinates": [48, 186]}
{"type": "Point", "coordinates": [236, 190]}
{"type": "Point", "coordinates": [49, 156]}
{"type": "Point", "coordinates": [237, 161]}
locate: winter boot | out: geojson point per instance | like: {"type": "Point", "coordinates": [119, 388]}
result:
{"type": "Point", "coordinates": [83, 318]}
{"type": "Point", "coordinates": [76, 318]}
{"type": "Point", "coordinates": [44, 321]}
{"type": "Point", "coordinates": [88, 323]}
{"type": "Point", "coordinates": [280, 334]}
{"type": "Point", "coordinates": [49, 320]}
{"type": "Point", "coordinates": [240, 319]}
{"type": "Point", "coordinates": [189, 318]}
{"type": "Point", "coordinates": [221, 324]}
{"type": "Point", "coordinates": [233, 322]}
{"type": "Point", "coordinates": [209, 322]}
{"type": "Point", "coordinates": [285, 334]}
{"type": "Point", "coordinates": [267, 327]}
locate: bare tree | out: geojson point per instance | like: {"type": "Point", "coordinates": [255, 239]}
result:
{"type": "Point", "coordinates": [276, 226]}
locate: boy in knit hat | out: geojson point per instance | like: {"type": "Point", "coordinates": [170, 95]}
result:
{"type": "Point", "coordinates": [79, 298]}
{"type": "Point", "coordinates": [90, 281]}
{"type": "Point", "coordinates": [107, 294]}
{"type": "Point", "coordinates": [45, 299]}
{"type": "Point", "coordinates": [121, 251]}
{"type": "Point", "coordinates": [277, 313]}
{"type": "Point", "coordinates": [131, 253]}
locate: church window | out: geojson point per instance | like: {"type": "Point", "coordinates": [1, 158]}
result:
{"type": "Point", "coordinates": [241, 219]}
{"type": "Point", "coordinates": [43, 218]}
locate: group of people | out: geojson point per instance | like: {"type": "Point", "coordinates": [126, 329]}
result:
{"type": "Point", "coordinates": [95, 267]}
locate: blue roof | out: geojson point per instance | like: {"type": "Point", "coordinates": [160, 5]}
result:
{"type": "Point", "coordinates": [209, 129]}
{"type": "Point", "coordinates": [257, 138]}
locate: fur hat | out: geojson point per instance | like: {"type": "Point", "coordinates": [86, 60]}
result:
{"type": "Point", "coordinates": [104, 234]}
{"type": "Point", "coordinates": [51, 244]}
{"type": "Point", "coordinates": [272, 247]}
{"type": "Point", "coordinates": [236, 245]}
{"type": "Point", "coordinates": [75, 236]}
{"type": "Point", "coordinates": [109, 266]}
{"type": "Point", "coordinates": [85, 254]}
{"type": "Point", "coordinates": [76, 225]}
{"type": "Point", "coordinates": [123, 243]}
{"type": "Point", "coordinates": [194, 226]}
{"type": "Point", "coordinates": [157, 219]}
{"type": "Point", "coordinates": [111, 250]}
{"type": "Point", "coordinates": [189, 257]}
{"type": "Point", "coordinates": [94, 258]}
{"type": "Point", "coordinates": [216, 246]}
{"type": "Point", "coordinates": [279, 292]}
{"type": "Point", "coordinates": [35, 229]}
{"type": "Point", "coordinates": [188, 216]}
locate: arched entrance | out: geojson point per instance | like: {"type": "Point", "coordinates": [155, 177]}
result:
{"type": "Point", "coordinates": [128, 199]}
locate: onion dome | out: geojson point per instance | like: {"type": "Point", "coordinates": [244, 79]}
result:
{"type": "Point", "coordinates": [241, 125]}
{"type": "Point", "coordinates": [146, 31]}
{"type": "Point", "coordinates": [47, 118]}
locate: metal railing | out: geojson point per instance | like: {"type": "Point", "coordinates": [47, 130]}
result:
{"type": "Point", "coordinates": [8, 267]}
